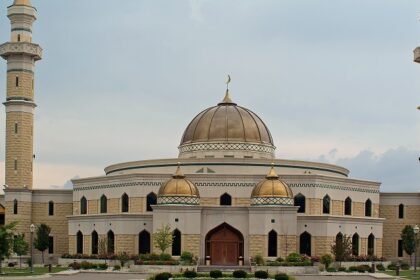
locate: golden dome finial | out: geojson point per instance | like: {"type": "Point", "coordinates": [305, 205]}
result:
{"type": "Point", "coordinates": [227, 99]}
{"type": "Point", "coordinates": [178, 173]}
{"type": "Point", "coordinates": [22, 2]}
{"type": "Point", "coordinates": [272, 173]}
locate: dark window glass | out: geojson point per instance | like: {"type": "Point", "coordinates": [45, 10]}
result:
{"type": "Point", "coordinates": [95, 243]}
{"type": "Point", "coordinates": [326, 205]}
{"type": "Point", "coordinates": [50, 245]}
{"type": "Point", "coordinates": [176, 243]}
{"type": "Point", "coordinates": [368, 208]}
{"type": "Point", "coordinates": [17, 81]}
{"type": "Point", "coordinates": [79, 242]}
{"type": "Point", "coordinates": [144, 242]}
{"type": "Point", "coordinates": [300, 201]}
{"type": "Point", "coordinates": [51, 208]}
{"type": "Point", "coordinates": [226, 199]}
{"type": "Point", "coordinates": [104, 204]}
{"type": "Point", "coordinates": [305, 244]}
{"type": "Point", "coordinates": [110, 242]}
{"type": "Point", "coordinates": [401, 211]}
{"type": "Point", "coordinates": [18, 37]}
{"type": "Point", "coordinates": [347, 206]}
{"type": "Point", "coordinates": [124, 203]}
{"type": "Point", "coordinates": [371, 245]}
{"type": "Point", "coordinates": [15, 206]}
{"type": "Point", "coordinates": [83, 206]}
{"type": "Point", "coordinates": [355, 244]}
{"type": "Point", "coordinates": [400, 248]}
{"type": "Point", "coordinates": [16, 128]}
{"type": "Point", "coordinates": [15, 163]}
{"type": "Point", "coordinates": [272, 244]}
{"type": "Point", "coordinates": [151, 200]}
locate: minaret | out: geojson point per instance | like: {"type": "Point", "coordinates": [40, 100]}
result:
{"type": "Point", "coordinates": [21, 55]}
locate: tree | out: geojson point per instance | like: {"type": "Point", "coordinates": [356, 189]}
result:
{"type": "Point", "coordinates": [6, 241]}
{"type": "Point", "coordinates": [326, 260]}
{"type": "Point", "coordinates": [341, 249]}
{"type": "Point", "coordinates": [408, 240]}
{"type": "Point", "coordinates": [42, 241]}
{"type": "Point", "coordinates": [102, 247]}
{"type": "Point", "coordinates": [162, 238]}
{"type": "Point", "coordinates": [20, 246]}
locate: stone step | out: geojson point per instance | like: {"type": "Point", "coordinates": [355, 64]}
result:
{"type": "Point", "coordinates": [208, 268]}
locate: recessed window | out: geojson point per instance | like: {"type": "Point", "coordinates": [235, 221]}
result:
{"type": "Point", "coordinates": [15, 164]}
{"type": "Point", "coordinates": [50, 245]}
{"type": "Point", "coordinates": [176, 243]}
{"type": "Point", "coordinates": [51, 208]}
{"type": "Point", "coordinates": [104, 204]}
{"type": "Point", "coordinates": [347, 206]}
{"type": "Point", "coordinates": [124, 203]}
{"type": "Point", "coordinates": [83, 206]}
{"type": "Point", "coordinates": [401, 211]}
{"type": "Point", "coordinates": [79, 242]}
{"type": "Point", "coordinates": [400, 248]}
{"type": "Point", "coordinates": [326, 202]}
{"type": "Point", "coordinates": [95, 243]}
{"type": "Point", "coordinates": [16, 128]}
{"type": "Point", "coordinates": [226, 199]}
{"type": "Point", "coordinates": [15, 206]}
{"type": "Point", "coordinates": [272, 243]}
{"type": "Point", "coordinates": [368, 208]}
{"type": "Point", "coordinates": [18, 37]}
{"type": "Point", "coordinates": [17, 81]}
{"type": "Point", "coordinates": [299, 200]}
{"type": "Point", "coordinates": [151, 199]}
{"type": "Point", "coordinates": [111, 242]}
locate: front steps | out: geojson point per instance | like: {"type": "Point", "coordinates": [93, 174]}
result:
{"type": "Point", "coordinates": [208, 268]}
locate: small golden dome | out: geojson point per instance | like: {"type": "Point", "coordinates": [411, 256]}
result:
{"type": "Point", "coordinates": [272, 187]}
{"type": "Point", "coordinates": [178, 186]}
{"type": "Point", "coordinates": [22, 3]}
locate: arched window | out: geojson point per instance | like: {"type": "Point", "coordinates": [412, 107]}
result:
{"type": "Point", "coordinates": [79, 241]}
{"type": "Point", "coordinates": [401, 211]}
{"type": "Point", "coordinates": [124, 203]}
{"type": "Point", "coordinates": [110, 242]}
{"type": "Point", "coordinates": [151, 199]}
{"type": "Point", "coordinates": [15, 206]}
{"type": "Point", "coordinates": [371, 244]}
{"type": "Point", "coordinates": [305, 244]}
{"type": "Point", "coordinates": [18, 37]}
{"type": "Point", "coordinates": [326, 202]}
{"type": "Point", "coordinates": [347, 206]}
{"type": "Point", "coordinates": [339, 238]}
{"type": "Point", "coordinates": [176, 243]}
{"type": "Point", "coordinates": [51, 208]}
{"type": "Point", "coordinates": [17, 81]}
{"type": "Point", "coordinates": [368, 208]}
{"type": "Point", "coordinates": [225, 199]}
{"type": "Point", "coordinates": [95, 243]}
{"type": "Point", "coordinates": [300, 201]}
{"type": "Point", "coordinates": [272, 243]}
{"type": "Point", "coordinates": [144, 242]}
{"type": "Point", "coordinates": [83, 206]}
{"type": "Point", "coordinates": [355, 244]}
{"type": "Point", "coordinates": [104, 204]}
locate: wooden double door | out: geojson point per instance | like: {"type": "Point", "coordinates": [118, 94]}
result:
{"type": "Point", "coordinates": [224, 245]}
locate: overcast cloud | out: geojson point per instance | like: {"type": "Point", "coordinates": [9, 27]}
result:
{"type": "Point", "coordinates": [120, 80]}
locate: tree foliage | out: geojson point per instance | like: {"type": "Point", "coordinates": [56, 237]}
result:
{"type": "Point", "coordinates": [6, 241]}
{"type": "Point", "coordinates": [42, 241]}
{"type": "Point", "coordinates": [20, 246]}
{"type": "Point", "coordinates": [341, 249]}
{"type": "Point", "coordinates": [162, 238]}
{"type": "Point", "coordinates": [408, 240]}
{"type": "Point", "coordinates": [326, 260]}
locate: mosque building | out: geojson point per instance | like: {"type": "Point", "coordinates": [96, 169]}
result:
{"type": "Point", "coordinates": [226, 197]}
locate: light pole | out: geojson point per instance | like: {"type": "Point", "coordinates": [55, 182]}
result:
{"type": "Point", "coordinates": [416, 232]}
{"type": "Point", "coordinates": [32, 230]}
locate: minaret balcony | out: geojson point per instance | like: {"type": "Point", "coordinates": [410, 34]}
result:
{"type": "Point", "coordinates": [23, 48]}
{"type": "Point", "coordinates": [417, 55]}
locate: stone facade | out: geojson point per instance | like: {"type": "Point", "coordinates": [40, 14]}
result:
{"type": "Point", "coordinates": [257, 245]}
{"type": "Point", "coordinates": [191, 243]}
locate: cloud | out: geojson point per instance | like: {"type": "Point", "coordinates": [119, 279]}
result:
{"type": "Point", "coordinates": [398, 169]}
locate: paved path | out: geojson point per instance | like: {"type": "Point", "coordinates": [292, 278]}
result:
{"type": "Point", "coordinates": [336, 277]}
{"type": "Point", "coordinates": [101, 276]}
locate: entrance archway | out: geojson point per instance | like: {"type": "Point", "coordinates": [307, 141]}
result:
{"type": "Point", "coordinates": [224, 245]}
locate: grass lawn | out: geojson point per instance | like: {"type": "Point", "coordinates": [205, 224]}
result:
{"type": "Point", "coordinates": [407, 274]}
{"type": "Point", "coordinates": [26, 271]}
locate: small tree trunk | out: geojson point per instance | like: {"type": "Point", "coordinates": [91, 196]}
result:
{"type": "Point", "coordinates": [42, 257]}
{"type": "Point", "coordinates": [20, 261]}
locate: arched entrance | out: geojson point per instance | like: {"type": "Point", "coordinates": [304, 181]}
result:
{"type": "Point", "coordinates": [224, 245]}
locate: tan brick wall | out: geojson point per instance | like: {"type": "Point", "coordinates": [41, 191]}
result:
{"type": "Point", "coordinates": [358, 209]}
{"type": "Point", "coordinates": [376, 210]}
{"type": "Point", "coordinates": [20, 147]}
{"type": "Point", "coordinates": [322, 245]}
{"type": "Point", "coordinates": [136, 204]}
{"type": "Point", "coordinates": [257, 245]}
{"type": "Point", "coordinates": [93, 206]}
{"type": "Point", "coordinates": [114, 206]}
{"type": "Point", "coordinates": [286, 245]}
{"type": "Point", "coordinates": [363, 246]}
{"type": "Point", "coordinates": [337, 207]}
{"type": "Point", "coordinates": [125, 243]}
{"type": "Point", "coordinates": [314, 206]}
{"type": "Point", "coordinates": [87, 244]}
{"type": "Point", "coordinates": [241, 201]}
{"type": "Point", "coordinates": [393, 226]}
{"type": "Point", "coordinates": [72, 244]}
{"type": "Point", "coordinates": [25, 85]}
{"type": "Point", "coordinates": [76, 207]}
{"type": "Point", "coordinates": [378, 247]}
{"type": "Point", "coordinates": [209, 201]}
{"type": "Point", "coordinates": [23, 217]}
{"type": "Point", "coordinates": [58, 223]}
{"type": "Point", "coordinates": [191, 243]}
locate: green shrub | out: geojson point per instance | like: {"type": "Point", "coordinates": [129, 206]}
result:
{"type": "Point", "coordinates": [363, 268]}
{"type": "Point", "coordinates": [163, 276]}
{"type": "Point", "coordinates": [261, 274]}
{"type": "Point", "coordinates": [165, 257]}
{"type": "Point", "coordinates": [75, 265]}
{"type": "Point", "coordinates": [154, 257]}
{"type": "Point", "coordinates": [404, 266]}
{"type": "Point", "coordinates": [352, 269]}
{"type": "Point", "coordinates": [331, 269]}
{"type": "Point", "coordinates": [117, 267]}
{"type": "Point", "coordinates": [294, 257]}
{"type": "Point", "coordinates": [326, 260]}
{"type": "Point", "coordinates": [258, 259]}
{"type": "Point", "coordinates": [216, 274]}
{"type": "Point", "coordinates": [279, 259]}
{"type": "Point", "coordinates": [281, 276]}
{"type": "Point", "coordinates": [123, 257]}
{"type": "Point", "coordinates": [380, 267]}
{"type": "Point", "coordinates": [392, 266]}
{"type": "Point", "coordinates": [103, 266]}
{"type": "Point", "coordinates": [190, 274]}
{"type": "Point", "coordinates": [239, 274]}
{"type": "Point", "coordinates": [186, 257]}
{"type": "Point", "coordinates": [342, 269]}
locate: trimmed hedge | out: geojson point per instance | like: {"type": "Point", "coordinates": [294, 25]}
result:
{"type": "Point", "coordinates": [239, 274]}
{"type": "Point", "coordinates": [163, 276]}
{"type": "Point", "coordinates": [216, 274]}
{"type": "Point", "coordinates": [261, 274]}
{"type": "Point", "coordinates": [281, 276]}
{"type": "Point", "coordinates": [190, 274]}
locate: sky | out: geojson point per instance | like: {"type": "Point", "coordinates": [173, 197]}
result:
{"type": "Point", "coordinates": [119, 81]}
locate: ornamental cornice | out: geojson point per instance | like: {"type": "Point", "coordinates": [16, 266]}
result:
{"type": "Point", "coordinates": [223, 146]}
{"type": "Point", "coordinates": [310, 218]}
{"type": "Point", "coordinates": [24, 48]}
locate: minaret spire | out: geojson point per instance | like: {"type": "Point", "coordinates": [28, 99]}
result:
{"type": "Point", "coordinates": [227, 100]}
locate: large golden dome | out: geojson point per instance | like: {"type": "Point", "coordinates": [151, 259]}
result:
{"type": "Point", "coordinates": [272, 190]}
{"type": "Point", "coordinates": [178, 190]}
{"type": "Point", "coordinates": [228, 127]}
